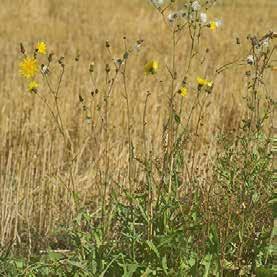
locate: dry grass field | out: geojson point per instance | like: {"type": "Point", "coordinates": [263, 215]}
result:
{"type": "Point", "coordinates": [47, 177]}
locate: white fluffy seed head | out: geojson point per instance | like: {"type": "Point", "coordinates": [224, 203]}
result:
{"type": "Point", "coordinates": [218, 22]}
{"type": "Point", "coordinates": [250, 59]}
{"type": "Point", "coordinates": [157, 3]}
{"type": "Point", "coordinates": [195, 5]}
{"type": "Point", "coordinates": [172, 16]}
{"type": "Point", "coordinates": [203, 18]}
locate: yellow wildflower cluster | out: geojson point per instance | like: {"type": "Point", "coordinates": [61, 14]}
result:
{"type": "Point", "coordinates": [29, 67]}
{"type": "Point", "coordinates": [183, 91]}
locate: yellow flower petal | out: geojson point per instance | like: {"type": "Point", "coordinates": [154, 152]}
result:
{"type": "Point", "coordinates": [210, 84]}
{"type": "Point", "coordinates": [41, 47]}
{"type": "Point", "coordinates": [204, 82]}
{"type": "Point", "coordinates": [213, 25]}
{"type": "Point", "coordinates": [183, 91]}
{"type": "Point", "coordinates": [32, 86]}
{"type": "Point", "coordinates": [28, 67]}
{"type": "Point", "coordinates": [151, 67]}
{"type": "Point", "coordinates": [201, 81]}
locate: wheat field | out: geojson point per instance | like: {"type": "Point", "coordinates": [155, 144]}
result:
{"type": "Point", "coordinates": [41, 185]}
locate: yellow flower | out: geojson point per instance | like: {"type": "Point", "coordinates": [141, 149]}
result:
{"type": "Point", "coordinates": [203, 82]}
{"type": "Point", "coordinates": [213, 25]}
{"type": "Point", "coordinates": [151, 67]}
{"type": "Point", "coordinates": [183, 91]}
{"type": "Point", "coordinates": [28, 67]}
{"type": "Point", "coordinates": [41, 47]}
{"type": "Point", "coordinates": [32, 87]}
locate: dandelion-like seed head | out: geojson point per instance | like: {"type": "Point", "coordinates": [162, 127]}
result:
{"type": "Point", "coordinates": [44, 69]}
{"type": "Point", "coordinates": [203, 18]}
{"type": "Point", "coordinates": [151, 67]}
{"type": "Point", "coordinates": [137, 45]}
{"type": "Point", "coordinates": [195, 5]}
{"type": "Point", "coordinates": [264, 44]}
{"type": "Point", "coordinates": [33, 86]}
{"type": "Point", "coordinates": [41, 47]}
{"type": "Point", "coordinates": [157, 3]}
{"type": "Point", "coordinates": [172, 16]}
{"type": "Point", "coordinates": [250, 59]}
{"type": "Point", "coordinates": [218, 23]}
{"type": "Point", "coordinates": [28, 67]}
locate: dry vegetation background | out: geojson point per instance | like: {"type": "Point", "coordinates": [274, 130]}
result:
{"type": "Point", "coordinates": [35, 193]}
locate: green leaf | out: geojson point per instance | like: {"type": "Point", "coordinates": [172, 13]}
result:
{"type": "Point", "coordinates": [143, 213]}
{"type": "Point", "coordinates": [19, 264]}
{"type": "Point", "coordinates": [164, 265]}
{"type": "Point", "coordinates": [177, 118]}
{"type": "Point", "coordinates": [255, 197]}
{"type": "Point", "coordinates": [265, 272]}
{"type": "Point", "coordinates": [129, 270]}
{"type": "Point", "coordinates": [153, 248]}
{"type": "Point", "coordinates": [229, 265]}
{"type": "Point", "coordinates": [207, 261]}
{"type": "Point", "coordinates": [53, 256]}
{"type": "Point", "coordinates": [214, 240]}
{"type": "Point", "coordinates": [76, 264]}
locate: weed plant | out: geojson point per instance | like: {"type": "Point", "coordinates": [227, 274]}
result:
{"type": "Point", "coordinates": [163, 214]}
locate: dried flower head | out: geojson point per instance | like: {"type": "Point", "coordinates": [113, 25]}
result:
{"type": "Point", "coordinates": [91, 67]}
{"type": "Point", "coordinates": [172, 16]}
{"type": "Point", "coordinates": [250, 59]}
{"type": "Point", "coordinates": [22, 49]}
{"type": "Point", "coordinates": [44, 69]}
{"type": "Point", "coordinates": [137, 45]}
